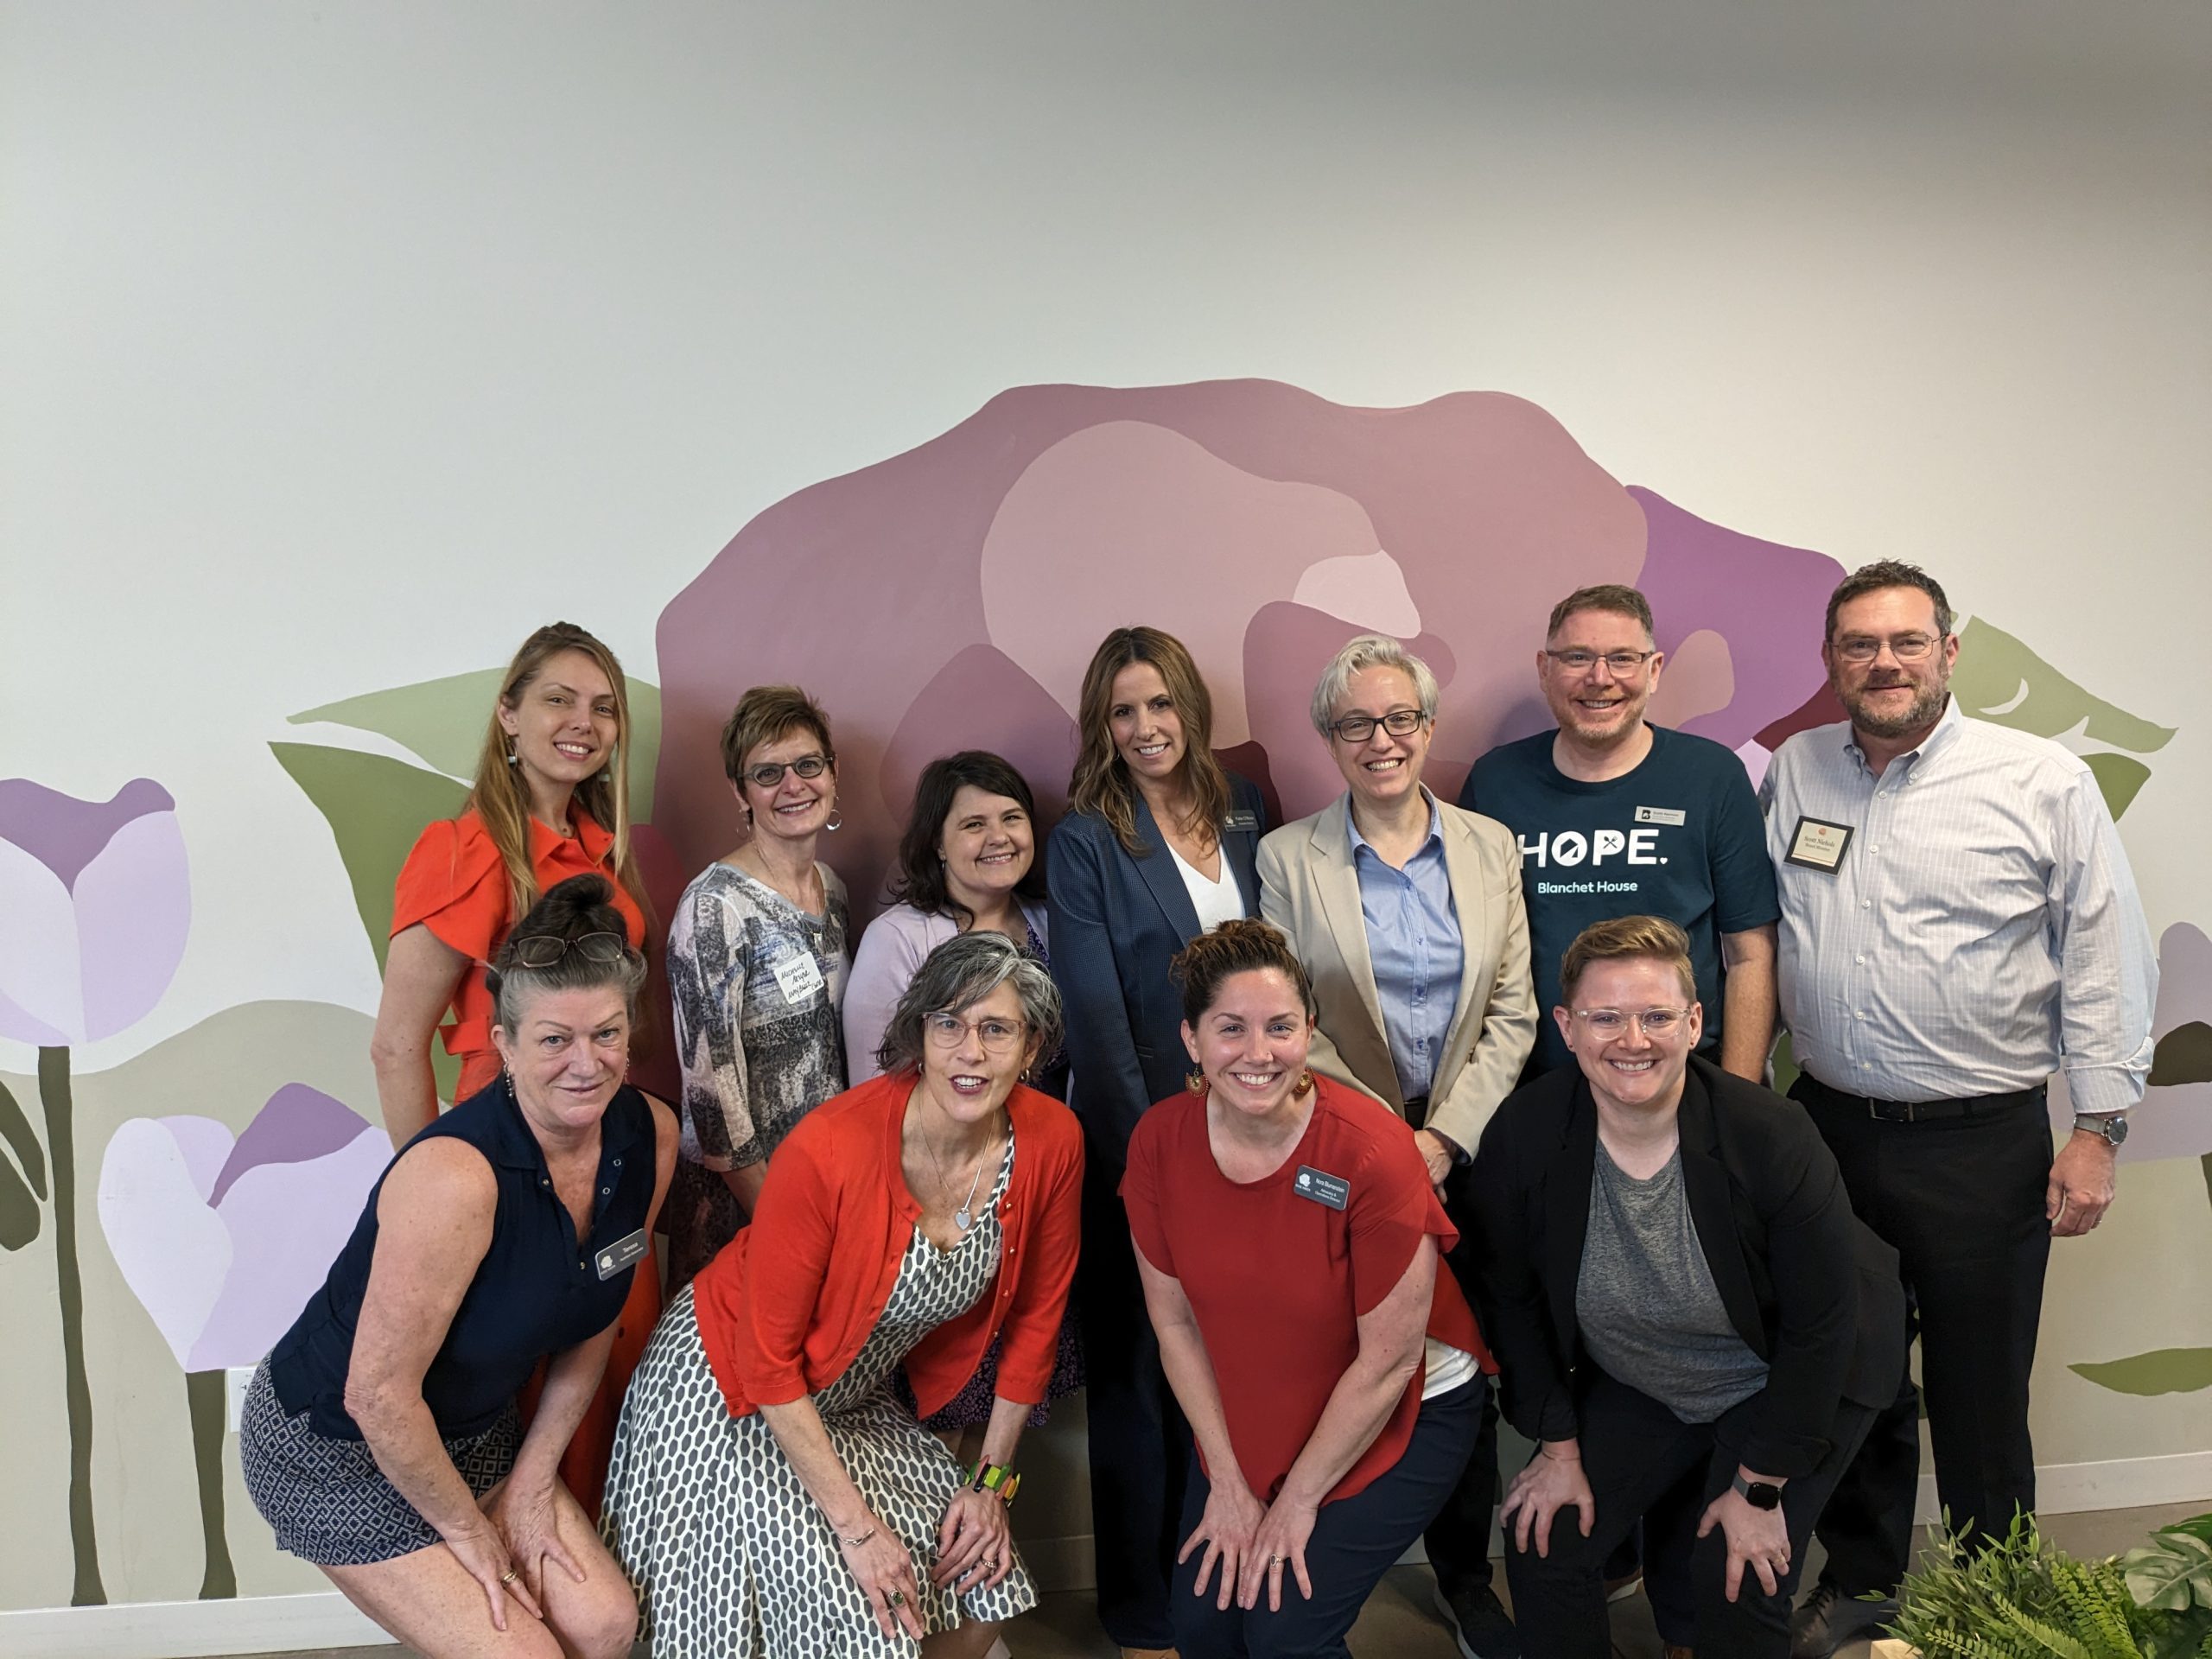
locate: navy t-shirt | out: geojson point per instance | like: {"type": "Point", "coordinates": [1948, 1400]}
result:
{"type": "Point", "coordinates": [1680, 836]}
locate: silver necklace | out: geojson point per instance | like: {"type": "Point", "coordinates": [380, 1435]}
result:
{"type": "Point", "coordinates": [964, 1217]}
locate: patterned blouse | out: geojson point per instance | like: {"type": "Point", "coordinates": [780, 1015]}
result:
{"type": "Point", "coordinates": [758, 984]}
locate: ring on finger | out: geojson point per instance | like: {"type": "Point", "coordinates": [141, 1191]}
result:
{"type": "Point", "coordinates": [509, 1576]}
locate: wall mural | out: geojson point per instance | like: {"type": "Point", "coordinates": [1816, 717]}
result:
{"type": "Point", "coordinates": [947, 597]}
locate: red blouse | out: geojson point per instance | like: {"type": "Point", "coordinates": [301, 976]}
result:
{"type": "Point", "coordinates": [788, 1302]}
{"type": "Point", "coordinates": [454, 884]}
{"type": "Point", "coordinates": [1278, 1280]}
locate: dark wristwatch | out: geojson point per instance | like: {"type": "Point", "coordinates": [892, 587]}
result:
{"type": "Point", "coordinates": [2111, 1126]}
{"type": "Point", "coordinates": [1759, 1494]}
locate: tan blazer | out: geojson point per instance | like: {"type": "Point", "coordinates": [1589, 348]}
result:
{"type": "Point", "coordinates": [1309, 889]}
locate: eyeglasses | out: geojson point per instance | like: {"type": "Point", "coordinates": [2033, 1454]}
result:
{"type": "Point", "coordinates": [547, 950]}
{"type": "Point", "coordinates": [1905, 647]}
{"type": "Point", "coordinates": [950, 1031]}
{"type": "Point", "coordinates": [1623, 662]}
{"type": "Point", "coordinates": [1399, 722]}
{"type": "Point", "coordinates": [769, 773]}
{"type": "Point", "coordinates": [1612, 1023]}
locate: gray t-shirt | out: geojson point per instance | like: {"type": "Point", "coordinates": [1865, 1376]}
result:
{"type": "Point", "coordinates": [1650, 1312]}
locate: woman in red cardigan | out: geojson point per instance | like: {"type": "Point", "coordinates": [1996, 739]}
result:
{"type": "Point", "coordinates": [1288, 1239]}
{"type": "Point", "coordinates": [770, 1493]}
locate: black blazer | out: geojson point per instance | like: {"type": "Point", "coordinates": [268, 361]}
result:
{"type": "Point", "coordinates": [1808, 1286]}
{"type": "Point", "coordinates": [1116, 921]}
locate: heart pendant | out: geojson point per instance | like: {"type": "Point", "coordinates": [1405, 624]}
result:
{"type": "Point", "coordinates": [962, 1219]}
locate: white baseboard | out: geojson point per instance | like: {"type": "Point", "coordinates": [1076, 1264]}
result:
{"type": "Point", "coordinates": [198, 1630]}
{"type": "Point", "coordinates": [188, 1630]}
{"type": "Point", "coordinates": [2120, 1483]}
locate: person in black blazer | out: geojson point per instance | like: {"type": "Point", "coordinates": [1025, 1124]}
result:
{"type": "Point", "coordinates": [1159, 845]}
{"type": "Point", "coordinates": [1671, 1277]}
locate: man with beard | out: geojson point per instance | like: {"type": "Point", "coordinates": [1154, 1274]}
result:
{"type": "Point", "coordinates": [1958, 922]}
{"type": "Point", "coordinates": [1617, 817]}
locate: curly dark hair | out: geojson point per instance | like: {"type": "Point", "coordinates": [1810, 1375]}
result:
{"type": "Point", "coordinates": [1235, 947]}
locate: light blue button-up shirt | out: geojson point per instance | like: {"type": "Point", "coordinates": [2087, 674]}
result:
{"type": "Point", "coordinates": [1980, 932]}
{"type": "Point", "coordinates": [1412, 942]}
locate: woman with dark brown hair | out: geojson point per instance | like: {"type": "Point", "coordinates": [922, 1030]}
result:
{"type": "Point", "coordinates": [757, 959]}
{"type": "Point", "coordinates": [1158, 846]}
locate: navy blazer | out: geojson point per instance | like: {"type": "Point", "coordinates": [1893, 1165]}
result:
{"type": "Point", "coordinates": [1116, 923]}
{"type": "Point", "coordinates": [1808, 1286]}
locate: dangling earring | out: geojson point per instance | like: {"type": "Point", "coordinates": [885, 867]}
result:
{"type": "Point", "coordinates": [513, 759]}
{"type": "Point", "coordinates": [837, 818]}
{"type": "Point", "coordinates": [1197, 1084]}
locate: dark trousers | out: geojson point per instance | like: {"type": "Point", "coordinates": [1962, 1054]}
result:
{"type": "Point", "coordinates": [1634, 1449]}
{"type": "Point", "coordinates": [1141, 1452]}
{"type": "Point", "coordinates": [1457, 1541]}
{"type": "Point", "coordinates": [1961, 1199]}
{"type": "Point", "coordinates": [1354, 1541]}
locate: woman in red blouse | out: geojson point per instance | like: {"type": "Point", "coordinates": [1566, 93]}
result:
{"type": "Point", "coordinates": [551, 801]}
{"type": "Point", "coordinates": [1289, 1240]}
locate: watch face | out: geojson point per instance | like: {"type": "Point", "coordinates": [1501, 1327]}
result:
{"type": "Point", "coordinates": [1760, 1495]}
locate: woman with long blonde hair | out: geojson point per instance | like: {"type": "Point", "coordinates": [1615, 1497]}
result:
{"type": "Point", "coordinates": [1158, 846]}
{"type": "Point", "coordinates": [550, 801]}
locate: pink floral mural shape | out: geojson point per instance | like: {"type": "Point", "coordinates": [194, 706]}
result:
{"type": "Point", "coordinates": [983, 700]}
{"type": "Point", "coordinates": [223, 1241]}
{"type": "Point", "coordinates": [1056, 513]}
{"type": "Point", "coordinates": [98, 901]}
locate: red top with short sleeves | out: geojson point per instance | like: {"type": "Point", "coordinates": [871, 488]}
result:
{"type": "Point", "coordinates": [1278, 1281]}
{"type": "Point", "coordinates": [454, 884]}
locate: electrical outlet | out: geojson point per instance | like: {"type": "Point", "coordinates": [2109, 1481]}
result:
{"type": "Point", "coordinates": [236, 1381]}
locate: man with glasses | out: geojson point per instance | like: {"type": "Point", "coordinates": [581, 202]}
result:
{"type": "Point", "coordinates": [1615, 817]}
{"type": "Point", "coordinates": [1619, 817]}
{"type": "Point", "coordinates": [1958, 923]}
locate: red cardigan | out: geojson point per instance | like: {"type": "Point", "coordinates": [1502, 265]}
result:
{"type": "Point", "coordinates": [787, 1306]}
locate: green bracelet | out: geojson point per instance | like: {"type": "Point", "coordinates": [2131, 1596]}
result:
{"type": "Point", "coordinates": [996, 1479]}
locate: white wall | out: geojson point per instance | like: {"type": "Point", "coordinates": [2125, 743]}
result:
{"type": "Point", "coordinates": [341, 343]}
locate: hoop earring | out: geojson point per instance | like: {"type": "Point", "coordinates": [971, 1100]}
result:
{"type": "Point", "coordinates": [1304, 1080]}
{"type": "Point", "coordinates": [836, 821]}
{"type": "Point", "coordinates": [1197, 1084]}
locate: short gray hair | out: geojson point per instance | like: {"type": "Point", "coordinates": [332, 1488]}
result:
{"type": "Point", "coordinates": [1370, 650]}
{"type": "Point", "coordinates": [959, 974]}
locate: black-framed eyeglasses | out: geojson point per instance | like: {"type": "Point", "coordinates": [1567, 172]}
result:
{"type": "Point", "coordinates": [949, 1030]}
{"type": "Point", "coordinates": [769, 773]}
{"type": "Point", "coordinates": [1905, 647]}
{"type": "Point", "coordinates": [1399, 722]}
{"type": "Point", "coordinates": [1575, 660]}
{"type": "Point", "coordinates": [547, 950]}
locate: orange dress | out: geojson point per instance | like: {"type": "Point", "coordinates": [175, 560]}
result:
{"type": "Point", "coordinates": [454, 884]}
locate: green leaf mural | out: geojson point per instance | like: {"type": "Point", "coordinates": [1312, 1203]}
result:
{"type": "Point", "coordinates": [1999, 678]}
{"type": "Point", "coordinates": [376, 807]}
{"type": "Point", "coordinates": [443, 720]}
{"type": "Point", "coordinates": [2163, 1370]}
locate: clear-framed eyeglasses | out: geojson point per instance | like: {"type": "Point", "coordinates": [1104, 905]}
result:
{"type": "Point", "coordinates": [949, 1031]}
{"type": "Point", "coordinates": [1859, 649]}
{"type": "Point", "coordinates": [548, 950]}
{"type": "Point", "coordinates": [1575, 660]}
{"type": "Point", "coordinates": [1656, 1023]}
{"type": "Point", "coordinates": [769, 773]}
{"type": "Point", "coordinates": [1399, 722]}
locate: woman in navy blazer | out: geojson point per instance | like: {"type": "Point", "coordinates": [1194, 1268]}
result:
{"type": "Point", "coordinates": [1158, 844]}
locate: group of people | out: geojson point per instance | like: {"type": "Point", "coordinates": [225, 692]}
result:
{"type": "Point", "coordinates": [1282, 1144]}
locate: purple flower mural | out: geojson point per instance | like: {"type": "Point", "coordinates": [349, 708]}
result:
{"type": "Point", "coordinates": [223, 1241]}
{"type": "Point", "coordinates": [98, 902]}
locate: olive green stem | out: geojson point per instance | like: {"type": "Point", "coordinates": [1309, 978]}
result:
{"type": "Point", "coordinates": [77, 1390]}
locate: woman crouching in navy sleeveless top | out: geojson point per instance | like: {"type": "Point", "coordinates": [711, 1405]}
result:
{"type": "Point", "coordinates": [381, 1439]}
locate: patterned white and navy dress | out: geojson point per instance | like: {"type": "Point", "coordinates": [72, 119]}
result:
{"type": "Point", "coordinates": [729, 1555]}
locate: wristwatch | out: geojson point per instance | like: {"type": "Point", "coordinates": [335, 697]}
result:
{"type": "Point", "coordinates": [2111, 1126]}
{"type": "Point", "coordinates": [1759, 1494]}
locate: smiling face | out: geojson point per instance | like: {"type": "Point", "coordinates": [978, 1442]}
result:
{"type": "Point", "coordinates": [568, 1053]}
{"type": "Point", "coordinates": [793, 808]}
{"type": "Point", "coordinates": [1886, 697]}
{"type": "Point", "coordinates": [1633, 1071]}
{"type": "Point", "coordinates": [563, 724]}
{"type": "Point", "coordinates": [1596, 706]}
{"type": "Point", "coordinates": [969, 1077]}
{"type": "Point", "coordinates": [1251, 1042]}
{"type": "Point", "coordinates": [988, 844]}
{"type": "Point", "coordinates": [1147, 731]}
{"type": "Point", "coordinates": [1382, 769]}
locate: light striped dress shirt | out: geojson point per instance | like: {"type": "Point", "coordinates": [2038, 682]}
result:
{"type": "Point", "coordinates": [1414, 948]}
{"type": "Point", "coordinates": [1981, 931]}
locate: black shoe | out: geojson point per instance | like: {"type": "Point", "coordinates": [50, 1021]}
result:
{"type": "Point", "coordinates": [1479, 1624]}
{"type": "Point", "coordinates": [1830, 1617]}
